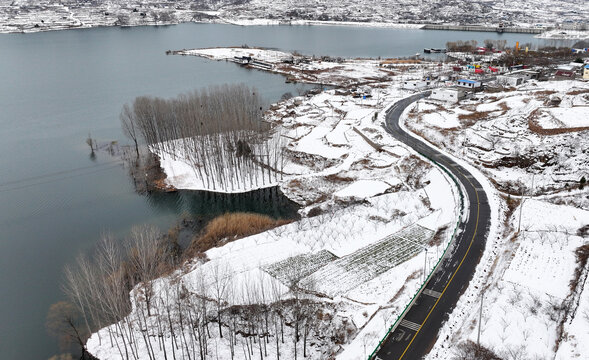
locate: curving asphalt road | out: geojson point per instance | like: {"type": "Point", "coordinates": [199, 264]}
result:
{"type": "Point", "coordinates": [417, 332]}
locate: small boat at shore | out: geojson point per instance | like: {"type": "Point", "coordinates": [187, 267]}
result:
{"type": "Point", "coordinates": [433, 50]}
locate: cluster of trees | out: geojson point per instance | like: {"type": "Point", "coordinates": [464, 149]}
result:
{"type": "Point", "coordinates": [471, 45]}
{"type": "Point", "coordinates": [462, 46]}
{"type": "Point", "coordinates": [219, 131]}
{"type": "Point", "coordinates": [98, 286]}
{"type": "Point", "coordinates": [207, 313]}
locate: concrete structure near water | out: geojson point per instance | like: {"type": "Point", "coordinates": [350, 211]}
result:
{"type": "Point", "coordinates": [452, 94]}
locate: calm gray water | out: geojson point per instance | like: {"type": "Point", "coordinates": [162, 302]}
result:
{"type": "Point", "coordinates": [57, 87]}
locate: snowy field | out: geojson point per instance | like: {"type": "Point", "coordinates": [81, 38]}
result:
{"type": "Point", "coordinates": [526, 290]}
{"type": "Point", "coordinates": [514, 136]}
{"type": "Point", "coordinates": [531, 309]}
{"type": "Point", "coordinates": [373, 207]}
{"type": "Point", "coordinates": [272, 261]}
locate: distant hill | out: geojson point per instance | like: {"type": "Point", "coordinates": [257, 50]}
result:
{"type": "Point", "coordinates": [34, 15]}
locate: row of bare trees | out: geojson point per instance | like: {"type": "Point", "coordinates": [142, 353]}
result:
{"type": "Point", "coordinates": [462, 46]}
{"type": "Point", "coordinates": [98, 286]}
{"type": "Point", "coordinates": [219, 131]}
{"type": "Point", "coordinates": [207, 313]}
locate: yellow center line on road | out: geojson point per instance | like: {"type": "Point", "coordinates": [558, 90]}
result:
{"type": "Point", "coordinates": [458, 268]}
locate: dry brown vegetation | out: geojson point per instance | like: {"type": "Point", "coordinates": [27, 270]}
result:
{"type": "Point", "coordinates": [535, 127]}
{"type": "Point", "coordinates": [512, 204]}
{"type": "Point", "coordinates": [582, 255]}
{"type": "Point", "coordinates": [229, 227]}
{"type": "Point", "coordinates": [544, 93]}
{"type": "Point", "coordinates": [438, 237]}
{"type": "Point", "coordinates": [336, 178]}
{"type": "Point", "coordinates": [468, 120]}
{"type": "Point", "coordinates": [578, 92]}
{"type": "Point", "coordinates": [503, 106]}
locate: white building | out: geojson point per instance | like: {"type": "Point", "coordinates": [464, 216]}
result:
{"type": "Point", "coordinates": [469, 84]}
{"type": "Point", "coordinates": [416, 84]}
{"type": "Point", "coordinates": [526, 74]}
{"type": "Point", "coordinates": [448, 94]}
{"type": "Point", "coordinates": [509, 80]}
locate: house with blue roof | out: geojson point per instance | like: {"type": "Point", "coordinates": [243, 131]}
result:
{"type": "Point", "coordinates": [469, 84]}
{"type": "Point", "coordinates": [586, 72]}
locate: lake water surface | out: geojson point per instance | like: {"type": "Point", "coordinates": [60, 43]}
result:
{"type": "Point", "coordinates": [57, 87]}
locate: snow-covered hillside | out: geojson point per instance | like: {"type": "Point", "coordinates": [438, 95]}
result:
{"type": "Point", "coordinates": [531, 140]}
{"type": "Point", "coordinates": [31, 15]}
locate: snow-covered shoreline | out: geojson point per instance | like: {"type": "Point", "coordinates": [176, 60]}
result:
{"type": "Point", "coordinates": [44, 27]}
{"type": "Point", "coordinates": [358, 186]}
{"type": "Point", "coordinates": [362, 195]}
{"type": "Point", "coordinates": [563, 34]}
{"type": "Point", "coordinates": [237, 22]}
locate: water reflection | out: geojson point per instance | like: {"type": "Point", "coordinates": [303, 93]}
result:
{"type": "Point", "coordinates": [269, 201]}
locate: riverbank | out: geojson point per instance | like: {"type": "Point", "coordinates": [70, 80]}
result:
{"type": "Point", "coordinates": [498, 29]}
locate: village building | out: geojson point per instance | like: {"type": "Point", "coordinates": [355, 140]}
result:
{"type": "Point", "coordinates": [452, 94]}
{"type": "Point", "coordinates": [509, 80]}
{"type": "Point", "coordinates": [576, 65]}
{"type": "Point", "coordinates": [416, 84]}
{"type": "Point", "coordinates": [566, 67]}
{"type": "Point", "coordinates": [469, 84]}
{"type": "Point", "coordinates": [586, 72]}
{"type": "Point", "coordinates": [526, 74]}
{"type": "Point", "coordinates": [564, 74]}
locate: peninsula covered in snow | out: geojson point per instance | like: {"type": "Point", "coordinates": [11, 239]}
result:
{"type": "Point", "coordinates": [377, 217]}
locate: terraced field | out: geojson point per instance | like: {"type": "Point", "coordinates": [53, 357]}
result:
{"type": "Point", "coordinates": [348, 272]}
{"type": "Point", "coordinates": [326, 273]}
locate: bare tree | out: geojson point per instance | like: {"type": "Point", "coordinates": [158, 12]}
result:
{"type": "Point", "coordinates": [221, 288]}
{"type": "Point", "coordinates": [61, 322]}
{"type": "Point", "coordinates": [146, 256]}
{"type": "Point", "coordinates": [218, 131]}
{"type": "Point", "coordinates": [128, 124]}
{"type": "Point", "coordinates": [470, 350]}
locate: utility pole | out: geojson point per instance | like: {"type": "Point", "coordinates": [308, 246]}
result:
{"type": "Point", "coordinates": [480, 318]}
{"type": "Point", "coordinates": [425, 265]}
{"type": "Point", "coordinates": [522, 205]}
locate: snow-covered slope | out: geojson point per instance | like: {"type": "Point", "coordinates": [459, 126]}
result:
{"type": "Point", "coordinates": [32, 15]}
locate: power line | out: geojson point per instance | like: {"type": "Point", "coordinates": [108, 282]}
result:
{"type": "Point", "coordinates": [57, 173]}
{"type": "Point", "coordinates": [117, 163]}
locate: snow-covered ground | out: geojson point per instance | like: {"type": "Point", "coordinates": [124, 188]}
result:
{"type": "Point", "coordinates": [564, 34]}
{"type": "Point", "coordinates": [373, 207]}
{"type": "Point", "coordinates": [526, 284]}
{"type": "Point", "coordinates": [364, 193]}
{"type": "Point", "coordinates": [521, 140]}
{"type": "Point", "coordinates": [32, 15]}
{"type": "Point", "coordinates": [515, 137]}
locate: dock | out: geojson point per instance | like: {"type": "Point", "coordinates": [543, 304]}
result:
{"type": "Point", "coordinates": [499, 29]}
